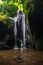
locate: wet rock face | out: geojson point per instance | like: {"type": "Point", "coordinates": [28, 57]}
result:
{"type": "Point", "coordinates": [36, 22]}
{"type": "Point", "coordinates": [3, 30]}
{"type": "Point", "coordinates": [39, 45]}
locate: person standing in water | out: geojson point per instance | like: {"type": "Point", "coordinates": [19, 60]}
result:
{"type": "Point", "coordinates": [21, 43]}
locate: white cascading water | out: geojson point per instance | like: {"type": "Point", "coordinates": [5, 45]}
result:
{"type": "Point", "coordinates": [15, 28]}
{"type": "Point", "coordinates": [23, 28]}
{"type": "Point", "coordinates": [15, 31]}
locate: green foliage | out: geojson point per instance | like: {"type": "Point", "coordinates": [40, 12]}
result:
{"type": "Point", "coordinates": [10, 7]}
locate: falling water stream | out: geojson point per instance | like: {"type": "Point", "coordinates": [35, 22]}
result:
{"type": "Point", "coordinates": [23, 28]}
{"type": "Point", "coordinates": [15, 31]}
{"type": "Point", "coordinates": [15, 28]}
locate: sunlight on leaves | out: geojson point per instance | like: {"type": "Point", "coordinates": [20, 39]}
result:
{"type": "Point", "coordinates": [1, 2]}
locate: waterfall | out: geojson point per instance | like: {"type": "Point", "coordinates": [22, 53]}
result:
{"type": "Point", "coordinates": [15, 31]}
{"type": "Point", "coordinates": [17, 19]}
{"type": "Point", "coordinates": [23, 28]}
{"type": "Point", "coordinates": [21, 14]}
